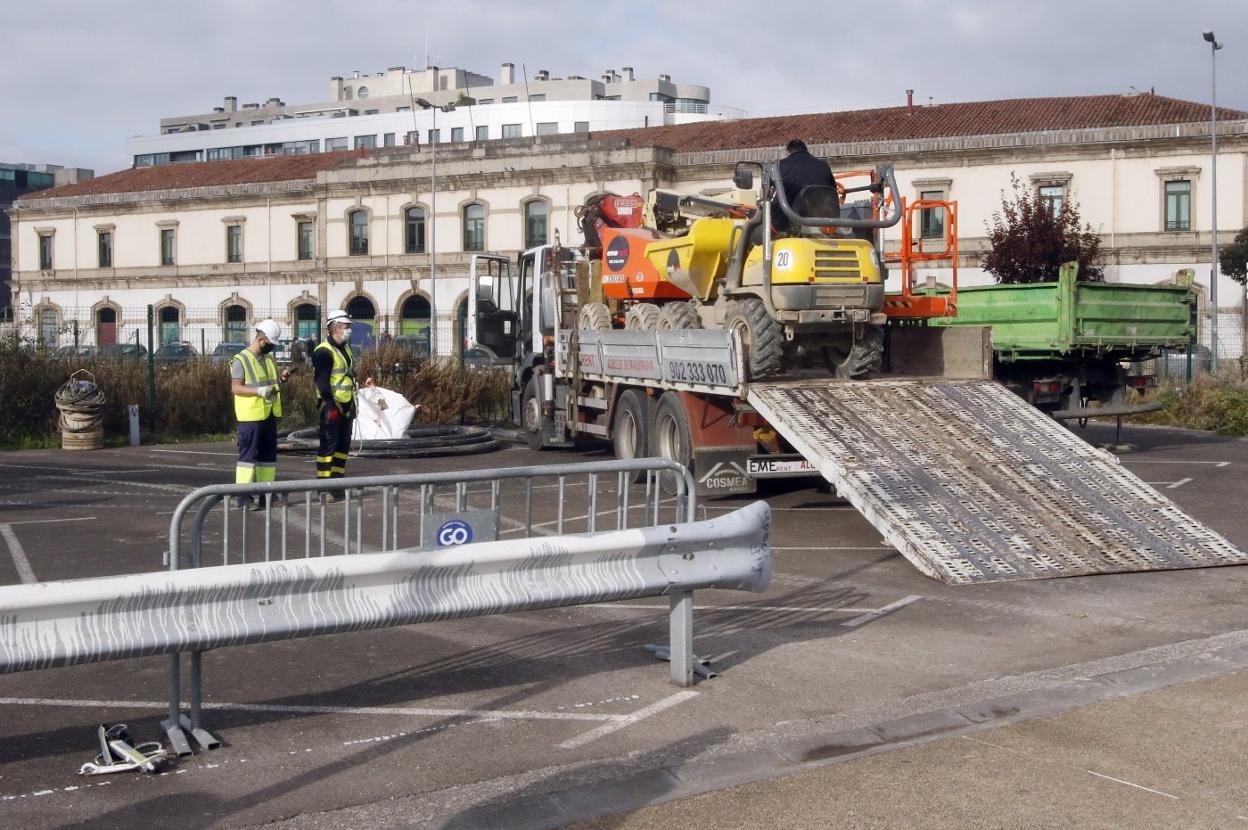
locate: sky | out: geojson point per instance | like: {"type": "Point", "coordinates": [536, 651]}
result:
{"type": "Point", "coordinates": [85, 75]}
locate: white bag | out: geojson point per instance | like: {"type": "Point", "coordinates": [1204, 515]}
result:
{"type": "Point", "coordinates": [380, 413]}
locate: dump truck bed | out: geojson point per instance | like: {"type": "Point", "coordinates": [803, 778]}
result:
{"type": "Point", "coordinates": [972, 484]}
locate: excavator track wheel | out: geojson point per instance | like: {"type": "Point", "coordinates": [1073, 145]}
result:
{"type": "Point", "coordinates": [642, 317]}
{"type": "Point", "coordinates": [679, 316]}
{"type": "Point", "coordinates": [594, 317]}
{"type": "Point", "coordinates": [761, 336]}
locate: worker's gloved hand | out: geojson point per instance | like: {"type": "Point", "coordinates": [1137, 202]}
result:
{"type": "Point", "coordinates": [333, 414]}
{"type": "Point", "coordinates": [268, 393]}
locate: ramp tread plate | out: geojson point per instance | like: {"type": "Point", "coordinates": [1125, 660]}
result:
{"type": "Point", "coordinates": [972, 484]}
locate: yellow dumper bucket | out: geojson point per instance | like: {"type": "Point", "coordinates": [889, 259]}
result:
{"type": "Point", "coordinates": [694, 262]}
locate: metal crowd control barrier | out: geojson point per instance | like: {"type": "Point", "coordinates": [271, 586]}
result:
{"type": "Point", "coordinates": [621, 574]}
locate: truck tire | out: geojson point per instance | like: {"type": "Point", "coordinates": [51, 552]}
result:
{"type": "Point", "coordinates": [531, 415]}
{"type": "Point", "coordinates": [594, 317]}
{"type": "Point", "coordinates": [641, 317]}
{"type": "Point", "coordinates": [630, 432]}
{"type": "Point", "coordinates": [865, 356]}
{"type": "Point", "coordinates": [678, 317]}
{"type": "Point", "coordinates": [760, 335]}
{"type": "Point", "coordinates": [672, 438]}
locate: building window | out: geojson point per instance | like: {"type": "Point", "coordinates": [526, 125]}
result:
{"type": "Point", "coordinates": [48, 327]}
{"type": "Point", "coordinates": [535, 213]}
{"type": "Point", "coordinates": [362, 92]}
{"type": "Point", "coordinates": [334, 144]}
{"type": "Point", "coordinates": [1179, 205]}
{"type": "Point", "coordinates": [474, 227]}
{"type": "Point", "coordinates": [233, 243]}
{"type": "Point", "coordinates": [412, 137]}
{"type": "Point", "coordinates": [509, 99]}
{"type": "Point", "coordinates": [358, 221]}
{"type": "Point", "coordinates": [307, 326]}
{"type": "Point", "coordinates": [483, 133]}
{"type": "Point", "coordinates": [932, 220]}
{"type": "Point", "coordinates": [580, 127]}
{"type": "Point", "coordinates": [547, 127]}
{"type": "Point", "coordinates": [414, 319]}
{"type": "Point", "coordinates": [170, 325]}
{"type": "Point", "coordinates": [387, 140]}
{"type": "Point", "coordinates": [104, 248]}
{"type": "Point", "coordinates": [435, 136]}
{"type": "Point", "coordinates": [365, 142]}
{"type": "Point", "coordinates": [414, 230]}
{"type": "Point", "coordinates": [45, 252]}
{"type": "Point", "coordinates": [484, 101]}
{"type": "Point", "coordinates": [1052, 196]}
{"type": "Point", "coordinates": [511, 131]}
{"type": "Point", "coordinates": [457, 134]}
{"type": "Point", "coordinates": [167, 248]}
{"type": "Point", "coordinates": [304, 233]}
{"type": "Point", "coordinates": [235, 324]}
{"type": "Point", "coordinates": [541, 96]}
{"type": "Point", "coordinates": [361, 310]}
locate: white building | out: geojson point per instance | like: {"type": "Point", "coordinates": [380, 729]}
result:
{"type": "Point", "coordinates": [386, 110]}
{"type": "Point", "coordinates": [215, 246]}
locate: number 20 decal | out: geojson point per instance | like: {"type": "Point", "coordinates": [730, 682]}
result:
{"type": "Point", "coordinates": [784, 260]}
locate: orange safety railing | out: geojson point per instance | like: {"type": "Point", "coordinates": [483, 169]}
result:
{"type": "Point", "coordinates": [915, 249]}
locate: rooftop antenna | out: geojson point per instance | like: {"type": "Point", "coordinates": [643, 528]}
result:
{"type": "Point", "coordinates": [527, 101]}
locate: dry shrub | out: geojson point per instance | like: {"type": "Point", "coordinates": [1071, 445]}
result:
{"type": "Point", "coordinates": [1212, 404]}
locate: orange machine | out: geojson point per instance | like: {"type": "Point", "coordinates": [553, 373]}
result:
{"type": "Point", "coordinates": [627, 273]}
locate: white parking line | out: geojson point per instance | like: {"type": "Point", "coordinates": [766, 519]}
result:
{"type": "Point", "coordinates": [627, 720]}
{"type": "Point", "coordinates": [836, 609]}
{"type": "Point", "coordinates": [1176, 485]}
{"type": "Point", "coordinates": [19, 555]}
{"type": "Point", "coordinates": [53, 521]}
{"type": "Point", "coordinates": [880, 612]}
{"type": "Point", "coordinates": [197, 452]}
{"type": "Point", "coordinates": [1167, 461]}
{"type": "Point", "coordinates": [1129, 784]}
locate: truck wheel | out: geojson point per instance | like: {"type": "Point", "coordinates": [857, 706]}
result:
{"type": "Point", "coordinates": [641, 316]}
{"type": "Point", "coordinates": [630, 433]}
{"type": "Point", "coordinates": [594, 317]}
{"type": "Point", "coordinates": [865, 356]}
{"type": "Point", "coordinates": [679, 316]}
{"type": "Point", "coordinates": [760, 335]}
{"type": "Point", "coordinates": [672, 439]}
{"type": "Point", "coordinates": [531, 415]}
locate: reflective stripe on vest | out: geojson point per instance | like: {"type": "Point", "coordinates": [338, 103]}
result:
{"type": "Point", "coordinates": [257, 373]}
{"type": "Point", "coordinates": [342, 375]}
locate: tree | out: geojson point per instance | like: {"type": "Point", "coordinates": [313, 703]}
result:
{"type": "Point", "coordinates": [1030, 240]}
{"type": "Point", "coordinates": [1233, 259]}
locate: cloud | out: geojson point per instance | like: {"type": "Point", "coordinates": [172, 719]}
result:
{"type": "Point", "coordinates": [82, 77]}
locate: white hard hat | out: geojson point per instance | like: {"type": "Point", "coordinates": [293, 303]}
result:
{"type": "Point", "coordinates": [337, 316]}
{"type": "Point", "coordinates": [270, 329]}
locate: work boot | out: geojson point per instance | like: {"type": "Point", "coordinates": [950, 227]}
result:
{"type": "Point", "coordinates": [332, 496]}
{"type": "Point", "coordinates": [242, 503]}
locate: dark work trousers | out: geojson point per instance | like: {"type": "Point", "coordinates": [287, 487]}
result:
{"type": "Point", "coordinates": [331, 457]}
{"type": "Point", "coordinates": [257, 451]}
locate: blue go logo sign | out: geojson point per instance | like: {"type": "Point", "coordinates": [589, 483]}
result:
{"type": "Point", "coordinates": [454, 532]}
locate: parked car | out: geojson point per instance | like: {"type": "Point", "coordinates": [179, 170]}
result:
{"type": "Point", "coordinates": [123, 351]}
{"type": "Point", "coordinates": [224, 352]}
{"type": "Point", "coordinates": [171, 353]}
{"type": "Point", "coordinates": [75, 352]}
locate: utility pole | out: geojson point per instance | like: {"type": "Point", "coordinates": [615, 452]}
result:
{"type": "Point", "coordinates": [1214, 46]}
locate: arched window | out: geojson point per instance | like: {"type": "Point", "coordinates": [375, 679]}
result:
{"type": "Point", "coordinates": [535, 213]}
{"type": "Point", "coordinates": [306, 324]}
{"type": "Point", "coordinates": [170, 325]}
{"type": "Point", "coordinates": [362, 92]}
{"type": "Point", "coordinates": [358, 221]}
{"type": "Point", "coordinates": [414, 320]}
{"type": "Point", "coordinates": [361, 310]}
{"type": "Point", "coordinates": [235, 324]}
{"type": "Point", "coordinates": [474, 227]}
{"type": "Point", "coordinates": [414, 230]}
{"type": "Point", "coordinates": [106, 326]}
{"type": "Point", "coordinates": [49, 327]}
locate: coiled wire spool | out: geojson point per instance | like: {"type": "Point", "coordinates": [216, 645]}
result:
{"type": "Point", "coordinates": [418, 442]}
{"type": "Point", "coordinates": [81, 403]}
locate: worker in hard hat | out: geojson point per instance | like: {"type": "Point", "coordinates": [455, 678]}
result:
{"type": "Point", "coordinates": [333, 371]}
{"type": "Point", "coordinates": [256, 386]}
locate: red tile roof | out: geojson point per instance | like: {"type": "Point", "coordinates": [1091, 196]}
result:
{"type": "Point", "coordinates": [203, 174]}
{"type": "Point", "coordinates": [1016, 115]}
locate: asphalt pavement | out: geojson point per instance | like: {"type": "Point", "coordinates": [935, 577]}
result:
{"type": "Point", "coordinates": [853, 676]}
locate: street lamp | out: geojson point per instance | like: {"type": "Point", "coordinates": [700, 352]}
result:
{"type": "Point", "coordinates": [1214, 46]}
{"type": "Point", "coordinates": [433, 221]}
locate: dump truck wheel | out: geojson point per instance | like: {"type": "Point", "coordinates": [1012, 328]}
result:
{"type": "Point", "coordinates": [672, 438]}
{"type": "Point", "coordinates": [866, 355]}
{"type": "Point", "coordinates": [594, 317]}
{"type": "Point", "coordinates": [642, 317]}
{"type": "Point", "coordinates": [531, 415]}
{"type": "Point", "coordinates": [630, 432]}
{"type": "Point", "coordinates": [760, 335]}
{"type": "Point", "coordinates": [679, 316]}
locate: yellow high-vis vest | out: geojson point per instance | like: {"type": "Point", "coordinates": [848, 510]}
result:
{"type": "Point", "coordinates": [342, 375]}
{"type": "Point", "coordinates": [257, 372]}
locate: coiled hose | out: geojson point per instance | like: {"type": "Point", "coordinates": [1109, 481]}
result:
{"type": "Point", "coordinates": [81, 403]}
{"type": "Point", "coordinates": [417, 442]}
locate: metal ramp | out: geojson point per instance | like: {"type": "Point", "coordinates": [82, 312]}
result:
{"type": "Point", "coordinates": [972, 484]}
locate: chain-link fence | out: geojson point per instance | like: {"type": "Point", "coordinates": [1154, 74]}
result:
{"type": "Point", "coordinates": [1198, 359]}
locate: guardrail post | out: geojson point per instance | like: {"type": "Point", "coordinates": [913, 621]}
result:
{"type": "Point", "coordinates": [682, 637]}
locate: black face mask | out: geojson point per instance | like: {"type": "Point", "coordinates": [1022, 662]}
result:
{"type": "Point", "coordinates": [267, 348]}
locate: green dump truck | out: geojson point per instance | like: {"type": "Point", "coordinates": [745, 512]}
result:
{"type": "Point", "coordinates": [1067, 345]}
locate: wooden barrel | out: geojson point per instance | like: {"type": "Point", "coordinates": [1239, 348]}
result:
{"type": "Point", "coordinates": [90, 440]}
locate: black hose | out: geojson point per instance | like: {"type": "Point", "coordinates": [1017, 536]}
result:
{"type": "Point", "coordinates": [418, 442]}
{"type": "Point", "coordinates": [81, 404]}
